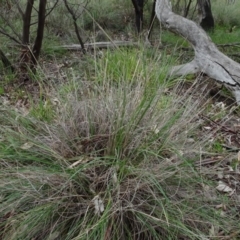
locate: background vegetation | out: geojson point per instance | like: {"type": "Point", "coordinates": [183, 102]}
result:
{"type": "Point", "coordinates": [104, 145]}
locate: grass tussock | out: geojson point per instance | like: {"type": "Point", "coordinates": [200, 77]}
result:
{"type": "Point", "coordinates": [112, 164]}
{"type": "Point", "coordinates": [226, 12]}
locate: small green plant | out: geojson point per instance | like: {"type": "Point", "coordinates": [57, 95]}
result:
{"type": "Point", "coordinates": [1, 90]}
{"type": "Point", "coordinates": [217, 147]}
{"type": "Point", "coordinates": [133, 64]}
{"type": "Point", "coordinates": [43, 110]}
{"type": "Point", "coordinates": [8, 78]}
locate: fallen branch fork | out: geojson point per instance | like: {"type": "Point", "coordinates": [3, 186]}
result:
{"type": "Point", "coordinates": [208, 58]}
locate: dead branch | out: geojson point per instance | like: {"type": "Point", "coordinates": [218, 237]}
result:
{"type": "Point", "coordinates": [10, 24]}
{"type": "Point", "coordinates": [52, 8]}
{"type": "Point", "coordinates": [229, 45]}
{"type": "Point", "coordinates": [75, 25]}
{"type": "Point", "coordinates": [19, 8]}
{"type": "Point", "coordinates": [99, 45]}
{"type": "Point", "coordinates": [208, 58]}
{"type": "Point", "coordinates": [9, 36]}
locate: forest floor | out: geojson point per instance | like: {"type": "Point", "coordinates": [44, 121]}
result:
{"type": "Point", "coordinates": [111, 125]}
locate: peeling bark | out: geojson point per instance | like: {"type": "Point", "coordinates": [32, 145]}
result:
{"type": "Point", "coordinates": [208, 59]}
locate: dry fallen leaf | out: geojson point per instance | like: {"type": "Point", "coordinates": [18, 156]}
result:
{"type": "Point", "coordinates": [114, 178]}
{"type": "Point", "coordinates": [55, 101]}
{"type": "Point", "coordinates": [213, 231]}
{"type": "Point", "coordinates": [221, 206]}
{"type": "Point", "coordinates": [98, 204]}
{"type": "Point", "coordinates": [155, 129]}
{"type": "Point", "coordinates": [208, 192]}
{"type": "Point", "coordinates": [220, 174]}
{"type": "Point", "coordinates": [26, 145]}
{"type": "Point", "coordinates": [81, 160]}
{"type": "Point", "coordinates": [238, 156]}
{"type": "Point", "coordinates": [223, 187]}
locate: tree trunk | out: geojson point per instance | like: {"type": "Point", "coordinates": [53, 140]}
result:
{"type": "Point", "coordinates": [138, 6]}
{"type": "Point", "coordinates": [208, 59]}
{"type": "Point", "coordinates": [151, 19]}
{"type": "Point", "coordinates": [27, 22]}
{"type": "Point", "coordinates": [40, 30]}
{"type": "Point", "coordinates": [26, 54]}
{"type": "Point", "coordinates": [205, 12]}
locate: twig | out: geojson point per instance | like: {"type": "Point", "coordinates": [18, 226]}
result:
{"type": "Point", "coordinates": [224, 128]}
{"type": "Point", "coordinates": [237, 44]}
{"type": "Point", "coordinates": [207, 161]}
{"type": "Point", "coordinates": [19, 8]}
{"type": "Point", "coordinates": [55, 4]}
{"type": "Point", "coordinates": [11, 26]}
{"type": "Point", "coordinates": [75, 25]}
{"type": "Point", "coordinates": [11, 37]}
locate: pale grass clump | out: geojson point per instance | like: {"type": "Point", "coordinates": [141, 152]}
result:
{"type": "Point", "coordinates": [226, 13]}
{"type": "Point", "coordinates": [111, 165]}
{"type": "Point", "coordinates": [118, 120]}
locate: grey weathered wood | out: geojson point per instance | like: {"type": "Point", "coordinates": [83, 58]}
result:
{"type": "Point", "coordinates": [94, 45]}
{"type": "Point", "coordinates": [208, 58]}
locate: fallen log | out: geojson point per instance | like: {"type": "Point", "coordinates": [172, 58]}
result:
{"type": "Point", "coordinates": [100, 45]}
{"type": "Point", "coordinates": [208, 59]}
